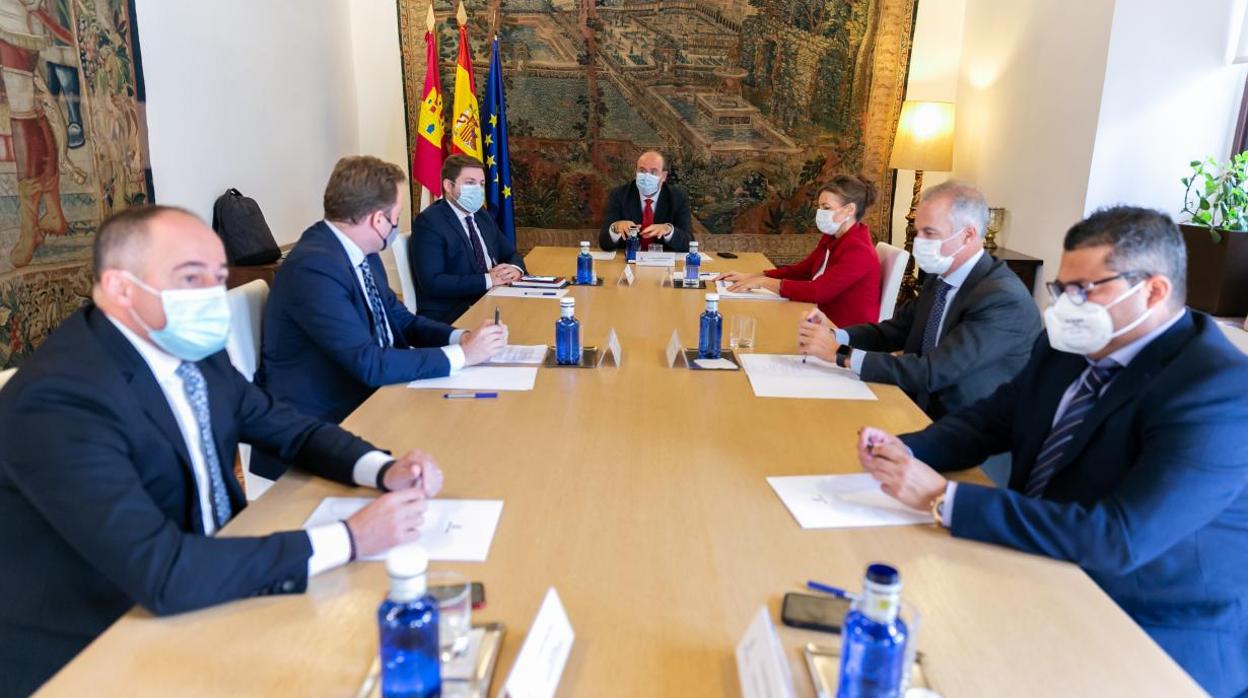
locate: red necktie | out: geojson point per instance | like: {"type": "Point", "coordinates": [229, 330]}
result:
{"type": "Point", "coordinates": [647, 215]}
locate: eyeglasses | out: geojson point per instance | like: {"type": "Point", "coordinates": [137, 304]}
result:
{"type": "Point", "coordinates": [1078, 291]}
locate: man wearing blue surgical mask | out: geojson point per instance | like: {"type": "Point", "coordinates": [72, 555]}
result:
{"type": "Point", "coordinates": [1130, 447]}
{"type": "Point", "coordinates": [117, 445]}
{"type": "Point", "coordinates": [458, 252]}
{"type": "Point", "coordinates": [653, 212]}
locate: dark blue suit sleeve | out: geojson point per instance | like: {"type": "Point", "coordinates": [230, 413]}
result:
{"type": "Point", "coordinates": [417, 330]}
{"type": "Point", "coordinates": [333, 322]}
{"type": "Point", "coordinates": [1191, 465]}
{"type": "Point", "coordinates": [614, 212]}
{"type": "Point", "coordinates": [966, 438]}
{"type": "Point", "coordinates": [431, 258]}
{"type": "Point", "coordinates": [77, 471]}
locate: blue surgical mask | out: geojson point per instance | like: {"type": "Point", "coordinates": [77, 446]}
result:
{"type": "Point", "coordinates": [197, 320]}
{"type": "Point", "coordinates": [647, 183]}
{"type": "Point", "coordinates": [471, 197]}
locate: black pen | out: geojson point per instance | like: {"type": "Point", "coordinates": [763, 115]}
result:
{"type": "Point", "coordinates": [496, 315]}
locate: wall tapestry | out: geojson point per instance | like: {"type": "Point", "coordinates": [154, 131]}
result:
{"type": "Point", "coordinates": [73, 149]}
{"type": "Point", "coordinates": [756, 102]}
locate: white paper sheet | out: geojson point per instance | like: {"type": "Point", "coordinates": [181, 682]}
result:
{"type": "Point", "coordinates": [539, 664]}
{"type": "Point", "coordinates": [762, 668]}
{"type": "Point", "coordinates": [483, 378]}
{"type": "Point", "coordinates": [602, 256]}
{"type": "Point", "coordinates": [842, 501]}
{"type": "Point", "coordinates": [784, 375]}
{"type": "Point", "coordinates": [509, 292]}
{"type": "Point", "coordinates": [757, 294]}
{"type": "Point", "coordinates": [720, 364]}
{"type": "Point", "coordinates": [704, 275]}
{"type": "Point", "coordinates": [458, 530]}
{"type": "Point", "coordinates": [533, 354]}
{"type": "Point", "coordinates": [656, 259]}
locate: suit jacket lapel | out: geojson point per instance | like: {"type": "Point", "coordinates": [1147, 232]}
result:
{"type": "Point", "coordinates": [960, 299]}
{"type": "Point", "coordinates": [456, 229]}
{"type": "Point", "coordinates": [632, 202]}
{"type": "Point", "coordinates": [1057, 373]}
{"type": "Point", "coordinates": [914, 340]}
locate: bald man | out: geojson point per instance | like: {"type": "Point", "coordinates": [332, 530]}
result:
{"type": "Point", "coordinates": [659, 209]}
{"type": "Point", "coordinates": [117, 442]}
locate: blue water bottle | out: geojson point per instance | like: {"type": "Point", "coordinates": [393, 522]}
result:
{"type": "Point", "coordinates": [408, 620]}
{"type": "Point", "coordinates": [567, 334]}
{"type": "Point", "coordinates": [693, 263]}
{"type": "Point", "coordinates": [632, 243]}
{"type": "Point", "coordinates": [584, 266]}
{"type": "Point", "coordinates": [873, 639]}
{"type": "Point", "coordinates": [710, 329]}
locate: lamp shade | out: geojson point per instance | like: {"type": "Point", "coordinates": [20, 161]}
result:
{"type": "Point", "coordinates": [924, 139]}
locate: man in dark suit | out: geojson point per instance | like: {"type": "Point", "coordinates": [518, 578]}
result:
{"type": "Point", "coordinates": [970, 330]}
{"type": "Point", "coordinates": [1127, 428]}
{"type": "Point", "coordinates": [334, 331]}
{"type": "Point", "coordinates": [659, 209]}
{"type": "Point", "coordinates": [117, 442]}
{"type": "Point", "coordinates": [458, 252]}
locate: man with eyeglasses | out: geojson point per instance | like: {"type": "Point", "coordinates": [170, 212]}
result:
{"type": "Point", "coordinates": [1129, 433]}
{"type": "Point", "coordinates": [333, 329]}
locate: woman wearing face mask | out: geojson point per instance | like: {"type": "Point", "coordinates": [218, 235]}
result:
{"type": "Point", "coordinates": [842, 274]}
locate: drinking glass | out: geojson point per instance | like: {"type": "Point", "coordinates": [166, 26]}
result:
{"type": "Point", "coordinates": [453, 592]}
{"type": "Point", "coordinates": [741, 332]}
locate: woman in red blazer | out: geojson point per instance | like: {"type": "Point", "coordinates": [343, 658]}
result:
{"type": "Point", "coordinates": [842, 274]}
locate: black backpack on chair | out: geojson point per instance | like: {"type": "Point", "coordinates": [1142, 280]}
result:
{"type": "Point", "coordinates": [240, 223]}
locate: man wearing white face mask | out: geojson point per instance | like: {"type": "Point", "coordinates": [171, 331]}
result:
{"type": "Point", "coordinates": [458, 252]}
{"type": "Point", "coordinates": [658, 210]}
{"type": "Point", "coordinates": [117, 442]}
{"type": "Point", "coordinates": [1130, 450]}
{"type": "Point", "coordinates": [842, 274]}
{"type": "Point", "coordinates": [970, 330]}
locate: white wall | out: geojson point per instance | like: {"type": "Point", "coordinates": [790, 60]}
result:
{"type": "Point", "coordinates": [934, 62]}
{"type": "Point", "coordinates": [254, 94]}
{"type": "Point", "coordinates": [1029, 98]}
{"type": "Point", "coordinates": [1170, 97]}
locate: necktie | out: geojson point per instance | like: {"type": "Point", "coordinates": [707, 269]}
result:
{"type": "Point", "coordinates": [931, 331]}
{"type": "Point", "coordinates": [647, 214]}
{"type": "Point", "coordinates": [196, 390]}
{"type": "Point", "coordinates": [477, 251]}
{"type": "Point", "coordinates": [381, 328]}
{"type": "Point", "coordinates": [1059, 438]}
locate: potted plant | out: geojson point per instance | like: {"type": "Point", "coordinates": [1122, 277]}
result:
{"type": "Point", "coordinates": [1216, 199]}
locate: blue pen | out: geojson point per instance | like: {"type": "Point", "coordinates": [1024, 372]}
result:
{"type": "Point", "coordinates": [834, 591]}
{"type": "Point", "coordinates": [468, 396]}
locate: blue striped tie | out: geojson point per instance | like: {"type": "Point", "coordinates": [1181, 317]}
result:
{"type": "Point", "coordinates": [931, 331]}
{"type": "Point", "coordinates": [381, 328]}
{"type": "Point", "coordinates": [1055, 444]}
{"type": "Point", "coordinates": [196, 390]}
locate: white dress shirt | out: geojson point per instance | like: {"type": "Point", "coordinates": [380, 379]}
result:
{"type": "Point", "coordinates": [1122, 356]}
{"type": "Point", "coordinates": [654, 206]}
{"type": "Point", "coordinates": [331, 544]}
{"type": "Point", "coordinates": [461, 215]}
{"type": "Point", "coordinates": [955, 278]}
{"type": "Point", "coordinates": [454, 353]}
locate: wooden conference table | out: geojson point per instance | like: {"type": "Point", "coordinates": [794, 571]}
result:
{"type": "Point", "coordinates": [638, 493]}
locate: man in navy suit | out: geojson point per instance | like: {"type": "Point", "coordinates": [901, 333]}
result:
{"type": "Point", "coordinates": [334, 331]}
{"type": "Point", "coordinates": [660, 210]}
{"type": "Point", "coordinates": [117, 442]}
{"type": "Point", "coordinates": [1130, 447]}
{"type": "Point", "coordinates": [458, 252]}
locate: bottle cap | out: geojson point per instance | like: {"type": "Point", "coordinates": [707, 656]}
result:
{"type": "Point", "coordinates": [406, 561]}
{"type": "Point", "coordinates": [693, 245]}
{"type": "Point", "coordinates": [712, 298]}
{"type": "Point", "coordinates": [883, 575]}
{"type": "Point", "coordinates": [584, 244]}
{"type": "Point", "coordinates": [566, 302]}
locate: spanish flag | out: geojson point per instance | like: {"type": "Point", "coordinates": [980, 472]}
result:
{"type": "Point", "coordinates": [427, 158]}
{"type": "Point", "coordinates": [466, 119]}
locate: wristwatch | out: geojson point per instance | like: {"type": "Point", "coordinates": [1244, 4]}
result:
{"type": "Point", "coordinates": [938, 509]}
{"type": "Point", "coordinates": [843, 353]}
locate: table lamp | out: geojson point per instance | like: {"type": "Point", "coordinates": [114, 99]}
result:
{"type": "Point", "coordinates": [924, 141]}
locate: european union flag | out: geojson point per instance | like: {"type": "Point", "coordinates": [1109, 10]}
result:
{"type": "Point", "coordinates": [497, 157]}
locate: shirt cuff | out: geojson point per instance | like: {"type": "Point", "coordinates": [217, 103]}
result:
{"type": "Point", "coordinates": [856, 357]}
{"type": "Point", "coordinates": [842, 337]}
{"type": "Point", "coordinates": [331, 547]}
{"type": "Point", "coordinates": [614, 237]}
{"type": "Point", "coordinates": [457, 336]}
{"type": "Point", "coordinates": [365, 471]}
{"type": "Point", "coordinates": [670, 233]}
{"type": "Point", "coordinates": [946, 516]}
{"type": "Point", "coordinates": [489, 282]}
{"type": "Point", "coordinates": [455, 354]}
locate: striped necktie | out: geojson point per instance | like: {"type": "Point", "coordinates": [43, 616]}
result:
{"type": "Point", "coordinates": [1058, 441]}
{"type": "Point", "coordinates": [381, 328]}
{"type": "Point", "coordinates": [931, 331]}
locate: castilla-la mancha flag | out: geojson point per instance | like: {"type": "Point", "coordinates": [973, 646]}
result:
{"type": "Point", "coordinates": [427, 158]}
{"type": "Point", "coordinates": [466, 117]}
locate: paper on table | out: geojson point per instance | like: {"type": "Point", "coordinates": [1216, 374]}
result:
{"type": "Point", "coordinates": [656, 259]}
{"type": "Point", "coordinates": [602, 256]}
{"type": "Point", "coordinates": [720, 364]}
{"type": "Point", "coordinates": [784, 375]}
{"type": "Point", "coordinates": [509, 292]}
{"type": "Point", "coordinates": [539, 664]}
{"type": "Point", "coordinates": [758, 294]}
{"type": "Point", "coordinates": [842, 501]}
{"type": "Point", "coordinates": [520, 354]}
{"type": "Point", "coordinates": [762, 668]}
{"type": "Point", "coordinates": [454, 529]}
{"type": "Point", "coordinates": [707, 275]}
{"type": "Point", "coordinates": [483, 378]}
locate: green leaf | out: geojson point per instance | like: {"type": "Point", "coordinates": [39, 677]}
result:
{"type": "Point", "coordinates": [1195, 163]}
